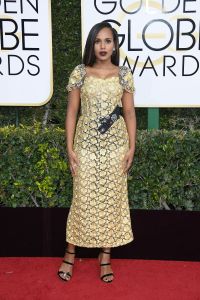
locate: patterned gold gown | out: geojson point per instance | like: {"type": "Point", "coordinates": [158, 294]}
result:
{"type": "Point", "coordinates": [99, 215]}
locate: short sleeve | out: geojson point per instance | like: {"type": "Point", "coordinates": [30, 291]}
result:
{"type": "Point", "coordinates": [76, 78]}
{"type": "Point", "coordinates": [126, 79]}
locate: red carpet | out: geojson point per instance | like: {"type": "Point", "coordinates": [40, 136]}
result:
{"type": "Point", "coordinates": [35, 279]}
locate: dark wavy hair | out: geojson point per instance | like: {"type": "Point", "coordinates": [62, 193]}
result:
{"type": "Point", "coordinates": [88, 55]}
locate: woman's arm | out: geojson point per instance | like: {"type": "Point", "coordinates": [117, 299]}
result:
{"type": "Point", "coordinates": [130, 120]}
{"type": "Point", "coordinates": [70, 125]}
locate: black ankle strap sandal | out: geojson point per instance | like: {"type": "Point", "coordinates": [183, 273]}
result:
{"type": "Point", "coordinates": [64, 274]}
{"type": "Point", "coordinates": [108, 274]}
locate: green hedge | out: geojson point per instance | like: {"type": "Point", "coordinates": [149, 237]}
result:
{"type": "Point", "coordinates": [34, 169]}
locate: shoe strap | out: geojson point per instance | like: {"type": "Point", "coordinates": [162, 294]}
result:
{"type": "Point", "coordinates": [105, 251]}
{"type": "Point", "coordinates": [64, 273]}
{"type": "Point", "coordinates": [67, 262]}
{"type": "Point", "coordinates": [70, 252]}
{"type": "Point", "coordinates": [105, 275]}
{"type": "Point", "coordinates": [106, 264]}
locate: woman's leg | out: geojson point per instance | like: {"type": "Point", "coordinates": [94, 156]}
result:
{"type": "Point", "coordinates": [70, 258]}
{"type": "Point", "coordinates": [105, 258]}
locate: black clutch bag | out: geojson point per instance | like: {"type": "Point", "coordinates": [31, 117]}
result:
{"type": "Point", "coordinates": [107, 121]}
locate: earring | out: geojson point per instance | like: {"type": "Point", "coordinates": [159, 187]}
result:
{"type": "Point", "coordinates": [113, 49]}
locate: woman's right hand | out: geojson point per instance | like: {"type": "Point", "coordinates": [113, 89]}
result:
{"type": "Point", "coordinates": [73, 162]}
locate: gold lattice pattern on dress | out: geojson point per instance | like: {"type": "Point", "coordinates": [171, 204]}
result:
{"type": "Point", "coordinates": [99, 215]}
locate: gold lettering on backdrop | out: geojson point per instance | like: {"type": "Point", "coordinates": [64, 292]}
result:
{"type": "Point", "coordinates": [16, 34]}
{"type": "Point", "coordinates": [170, 38]}
{"type": "Point", "coordinates": [18, 6]}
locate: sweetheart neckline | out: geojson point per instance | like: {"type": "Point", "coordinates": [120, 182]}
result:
{"type": "Point", "coordinates": [96, 77]}
{"type": "Point", "coordinates": [102, 78]}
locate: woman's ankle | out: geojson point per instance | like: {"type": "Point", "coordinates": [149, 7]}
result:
{"type": "Point", "coordinates": [70, 248]}
{"type": "Point", "coordinates": [106, 250]}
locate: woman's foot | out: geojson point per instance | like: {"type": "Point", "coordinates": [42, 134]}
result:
{"type": "Point", "coordinates": [106, 274]}
{"type": "Point", "coordinates": [66, 269]}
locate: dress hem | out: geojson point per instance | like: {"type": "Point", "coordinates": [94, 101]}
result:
{"type": "Point", "coordinates": [101, 245]}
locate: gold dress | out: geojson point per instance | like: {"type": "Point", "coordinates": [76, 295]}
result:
{"type": "Point", "coordinates": [99, 215]}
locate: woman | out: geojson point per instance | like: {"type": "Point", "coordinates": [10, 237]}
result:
{"type": "Point", "coordinates": [100, 149]}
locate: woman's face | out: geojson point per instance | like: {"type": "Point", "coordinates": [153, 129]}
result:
{"type": "Point", "coordinates": [104, 45]}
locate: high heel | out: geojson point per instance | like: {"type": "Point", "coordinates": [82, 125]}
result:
{"type": "Point", "coordinates": [105, 264]}
{"type": "Point", "coordinates": [65, 274]}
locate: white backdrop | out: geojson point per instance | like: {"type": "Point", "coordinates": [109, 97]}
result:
{"type": "Point", "coordinates": [160, 42]}
{"type": "Point", "coordinates": [25, 52]}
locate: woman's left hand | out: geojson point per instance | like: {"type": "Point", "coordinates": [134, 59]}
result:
{"type": "Point", "coordinates": [127, 160]}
